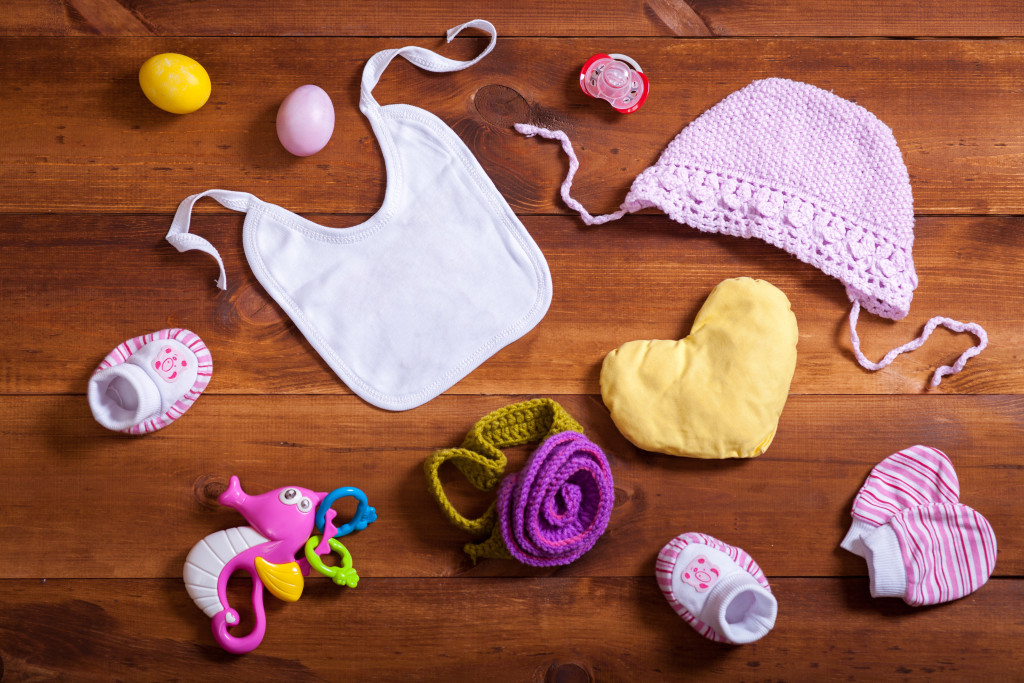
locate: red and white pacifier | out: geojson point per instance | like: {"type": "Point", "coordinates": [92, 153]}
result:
{"type": "Point", "coordinates": [617, 79]}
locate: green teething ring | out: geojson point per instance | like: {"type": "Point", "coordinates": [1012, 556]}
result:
{"type": "Point", "coordinates": [341, 574]}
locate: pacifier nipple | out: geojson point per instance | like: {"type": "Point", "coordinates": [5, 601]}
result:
{"type": "Point", "coordinates": [616, 77]}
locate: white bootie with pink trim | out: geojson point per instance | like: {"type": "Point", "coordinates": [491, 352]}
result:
{"type": "Point", "coordinates": [716, 588]}
{"type": "Point", "coordinates": [148, 382]}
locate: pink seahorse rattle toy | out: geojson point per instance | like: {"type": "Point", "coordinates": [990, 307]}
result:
{"type": "Point", "coordinates": [282, 523]}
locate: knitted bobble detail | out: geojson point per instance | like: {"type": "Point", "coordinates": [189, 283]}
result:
{"type": "Point", "coordinates": [717, 202]}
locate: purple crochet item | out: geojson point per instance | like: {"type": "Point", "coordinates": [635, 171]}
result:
{"type": "Point", "coordinates": [556, 508]}
{"type": "Point", "coordinates": [803, 170]}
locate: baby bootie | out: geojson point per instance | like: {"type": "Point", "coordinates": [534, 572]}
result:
{"type": "Point", "coordinates": [931, 554]}
{"type": "Point", "coordinates": [918, 475]}
{"type": "Point", "coordinates": [716, 588]}
{"type": "Point", "coordinates": [148, 382]}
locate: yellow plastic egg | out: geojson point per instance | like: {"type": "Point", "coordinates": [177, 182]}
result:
{"type": "Point", "coordinates": [175, 83]}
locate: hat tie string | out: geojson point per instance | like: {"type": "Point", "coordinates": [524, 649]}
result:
{"type": "Point", "coordinates": [950, 324]}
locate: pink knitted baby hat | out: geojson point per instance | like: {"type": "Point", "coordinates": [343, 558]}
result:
{"type": "Point", "coordinates": [806, 171]}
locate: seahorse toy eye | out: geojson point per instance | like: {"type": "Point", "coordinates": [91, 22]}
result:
{"type": "Point", "coordinates": [282, 523]}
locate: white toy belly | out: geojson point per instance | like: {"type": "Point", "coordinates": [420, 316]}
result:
{"type": "Point", "coordinates": [206, 560]}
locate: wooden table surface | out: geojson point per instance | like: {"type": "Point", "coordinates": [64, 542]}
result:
{"type": "Point", "coordinates": [95, 526]}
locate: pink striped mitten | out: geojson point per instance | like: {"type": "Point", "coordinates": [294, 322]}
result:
{"type": "Point", "coordinates": [716, 588]}
{"type": "Point", "coordinates": [918, 475]}
{"type": "Point", "coordinates": [931, 554]}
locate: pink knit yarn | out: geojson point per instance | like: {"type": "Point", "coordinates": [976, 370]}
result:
{"type": "Point", "coordinates": [801, 169]}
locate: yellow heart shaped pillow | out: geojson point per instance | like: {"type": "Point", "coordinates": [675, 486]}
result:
{"type": "Point", "coordinates": [719, 392]}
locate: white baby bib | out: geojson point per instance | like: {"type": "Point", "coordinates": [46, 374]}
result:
{"type": "Point", "coordinates": [409, 302]}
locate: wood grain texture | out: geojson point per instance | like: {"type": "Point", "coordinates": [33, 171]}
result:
{"type": "Point", "coordinates": [522, 18]}
{"type": "Point", "coordinates": [555, 629]}
{"type": "Point", "coordinates": [80, 136]}
{"type": "Point", "coordinates": [95, 526]}
{"type": "Point", "coordinates": [788, 508]}
{"type": "Point", "coordinates": [642, 278]}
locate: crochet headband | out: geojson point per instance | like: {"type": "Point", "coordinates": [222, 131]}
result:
{"type": "Point", "coordinates": [548, 514]}
{"type": "Point", "coordinates": [803, 170]}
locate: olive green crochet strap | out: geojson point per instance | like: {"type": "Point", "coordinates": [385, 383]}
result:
{"type": "Point", "coordinates": [519, 423]}
{"type": "Point", "coordinates": [494, 547]}
{"type": "Point", "coordinates": [481, 461]}
{"type": "Point", "coordinates": [481, 473]}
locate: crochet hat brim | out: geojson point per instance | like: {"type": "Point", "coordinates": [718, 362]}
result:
{"type": "Point", "coordinates": [722, 204]}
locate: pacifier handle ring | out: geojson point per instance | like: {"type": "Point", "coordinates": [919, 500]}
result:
{"type": "Point", "coordinates": [627, 60]}
{"type": "Point", "coordinates": [364, 513]}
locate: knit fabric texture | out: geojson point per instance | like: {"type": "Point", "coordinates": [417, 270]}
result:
{"type": "Point", "coordinates": [806, 171]}
{"type": "Point", "coordinates": [918, 475]}
{"type": "Point", "coordinates": [948, 550]}
{"type": "Point", "coordinates": [556, 508]}
{"type": "Point", "coordinates": [482, 462]}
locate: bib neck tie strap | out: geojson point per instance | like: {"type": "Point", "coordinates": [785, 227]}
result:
{"type": "Point", "coordinates": [954, 325]}
{"type": "Point", "coordinates": [183, 240]}
{"type": "Point", "coordinates": [482, 462]}
{"type": "Point", "coordinates": [421, 57]}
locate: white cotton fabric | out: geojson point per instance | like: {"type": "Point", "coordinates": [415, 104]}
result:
{"type": "Point", "coordinates": [406, 304]}
{"type": "Point", "coordinates": [887, 572]}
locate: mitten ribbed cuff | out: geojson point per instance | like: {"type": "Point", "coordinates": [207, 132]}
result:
{"type": "Point", "coordinates": [739, 609]}
{"type": "Point", "coordinates": [854, 541]}
{"type": "Point", "coordinates": [886, 570]}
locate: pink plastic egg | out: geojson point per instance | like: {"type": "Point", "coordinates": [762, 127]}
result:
{"type": "Point", "coordinates": [305, 120]}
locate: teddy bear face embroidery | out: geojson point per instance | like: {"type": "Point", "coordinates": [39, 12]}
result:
{"type": "Point", "coordinates": [167, 364]}
{"type": "Point", "coordinates": [700, 574]}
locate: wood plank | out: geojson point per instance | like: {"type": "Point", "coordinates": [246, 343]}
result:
{"type": "Point", "coordinates": [132, 507]}
{"type": "Point", "coordinates": [644, 277]}
{"type": "Point", "coordinates": [521, 630]}
{"type": "Point", "coordinates": [96, 526]}
{"type": "Point", "coordinates": [80, 136]}
{"type": "Point", "coordinates": [849, 18]}
{"type": "Point", "coordinates": [524, 18]}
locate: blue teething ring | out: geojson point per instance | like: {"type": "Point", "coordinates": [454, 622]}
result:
{"type": "Point", "coordinates": [364, 513]}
